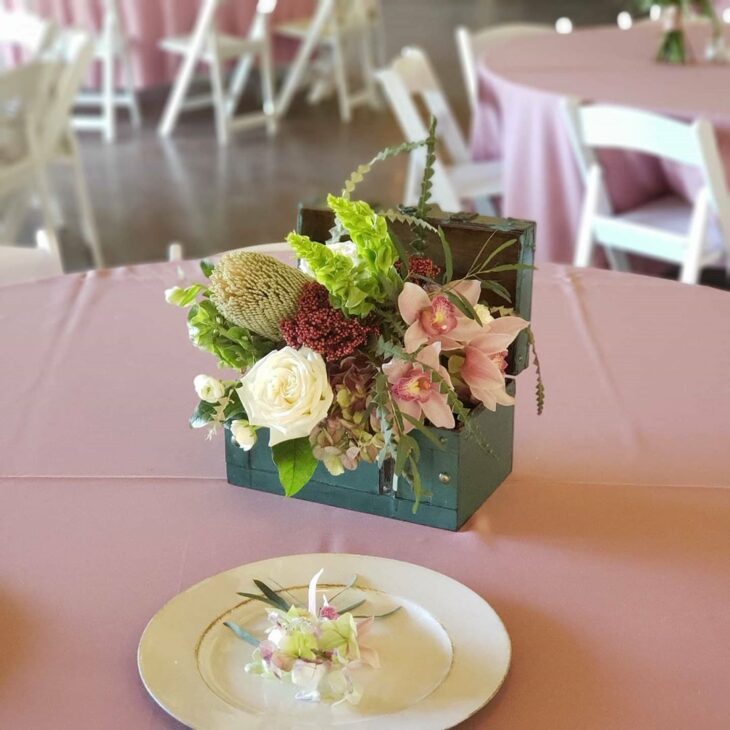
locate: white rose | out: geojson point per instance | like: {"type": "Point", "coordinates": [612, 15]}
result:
{"type": "Point", "coordinates": [209, 389]}
{"type": "Point", "coordinates": [244, 434]}
{"type": "Point", "coordinates": [288, 392]}
{"type": "Point", "coordinates": [346, 248]}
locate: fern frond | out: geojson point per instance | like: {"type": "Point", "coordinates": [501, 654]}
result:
{"type": "Point", "coordinates": [540, 387]}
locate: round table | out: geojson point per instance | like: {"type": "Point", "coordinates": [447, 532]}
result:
{"type": "Point", "coordinates": [520, 119]}
{"type": "Point", "coordinates": [605, 552]}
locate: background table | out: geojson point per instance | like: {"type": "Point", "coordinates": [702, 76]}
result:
{"type": "Point", "coordinates": [520, 119]}
{"type": "Point", "coordinates": [605, 552]}
{"type": "Point", "coordinates": [148, 21]}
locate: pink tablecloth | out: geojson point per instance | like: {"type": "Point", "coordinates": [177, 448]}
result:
{"type": "Point", "coordinates": [520, 120]}
{"type": "Point", "coordinates": [605, 552]}
{"type": "Point", "coordinates": [148, 21]}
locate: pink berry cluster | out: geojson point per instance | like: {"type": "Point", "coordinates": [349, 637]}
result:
{"type": "Point", "coordinates": [324, 329]}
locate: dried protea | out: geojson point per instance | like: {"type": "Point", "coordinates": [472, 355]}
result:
{"type": "Point", "coordinates": [256, 291]}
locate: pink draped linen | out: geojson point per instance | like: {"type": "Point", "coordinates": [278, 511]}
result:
{"type": "Point", "coordinates": [148, 21]}
{"type": "Point", "coordinates": [520, 119]}
{"type": "Point", "coordinates": [605, 552]}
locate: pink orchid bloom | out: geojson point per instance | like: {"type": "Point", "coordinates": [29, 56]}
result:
{"type": "Point", "coordinates": [414, 391]}
{"type": "Point", "coordinates": [436, 319]}
{"type": "Point", "coordinates": [485, 361]}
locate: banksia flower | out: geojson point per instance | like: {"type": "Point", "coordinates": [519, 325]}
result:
{"type": "Point", "coordinates": [256, 292]}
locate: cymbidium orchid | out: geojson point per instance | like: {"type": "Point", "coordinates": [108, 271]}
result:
{"type": "Point", "coordinates": [485, 361]}
{"type": "Point", "coordinates": [415, 390]}
{"type": "Point", "coordinates": [433, 317]}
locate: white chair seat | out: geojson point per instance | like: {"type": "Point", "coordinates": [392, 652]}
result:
{"type": "Point", "coordinates": [476, 179]}
{"type": "Point", "coordinates": [229, 46]}
{"type": "Point", "coordinates": [668, 214]}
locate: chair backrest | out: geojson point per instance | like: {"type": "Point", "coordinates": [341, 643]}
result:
{"type": "Point", "coordinates": [20, 263]}
{"type": "Point", "coordinates": [411, 76]}
{"type": "Point", "coordinates": [473, 45]}
{"type": "Point", "coordinates": [71, 52]}
{"type": "Point", "coordinates": [22, 30]}
{"type": "Point", "coordinates": [602, 126]}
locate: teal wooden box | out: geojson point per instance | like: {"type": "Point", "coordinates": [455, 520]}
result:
{"type": "Point", "coordinates": [460, 476]}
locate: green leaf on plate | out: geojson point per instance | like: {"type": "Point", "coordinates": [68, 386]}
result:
{"type": "Point", "coordinates": [241, 633]}
{"type": "Point", "coordinates": [273, 596]}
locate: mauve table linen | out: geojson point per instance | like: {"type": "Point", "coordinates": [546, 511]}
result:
{"type": "Point", "coordinates": [148, 21]}
{"type": "Point", "coordinates": [520, 120]}
{"type": "Point", "coordinates": [605, 553]}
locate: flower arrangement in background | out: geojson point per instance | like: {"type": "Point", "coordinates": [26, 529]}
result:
{"type": "Point", "coordinates": [314, 646]}
{"type": "Point", "coordinates": [673, 47]}
{"type": "Point", "coordinates": [367, 341]}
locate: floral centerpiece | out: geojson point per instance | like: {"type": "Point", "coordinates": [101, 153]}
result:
{"type": "Point", "coordinates": [360, 352]}
{"type": "Point", "coordinates": [673, 48]}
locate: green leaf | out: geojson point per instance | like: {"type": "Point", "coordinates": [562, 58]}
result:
{"type": "Point", "coordinates": [184, 297]}
{"type": "Point", "coordinates": [273, 596]}
{"type": "Point", "coordinates": [405, 446]}
{"type": "Point", "coordinates": [507, 267]}
{"type": "Point", "coordinates": [382, 615]}
{"type": "Point", "coordinates": [424, 430]}
{"type": "Point", "coordinates": [402, 254]}
{"type": "Point", "coordinates": [241, 633]}
{"type": "Point", "coordinates": [296, 464]}
{"type": "Point", "coordinates": [462, 305]}
{"type": "Point", "coordinates": [498, 289]}
{"type": "Point", "coordinates": [202, 415]}
{"type": "Point", "coordinates": [259, 597]}
{"type": "Point", "coordinates": [499, 250]}
{"type": "Point", "coordinates": [355, 605]}
{"type": "Point", "coordinates": [207, 268]}
{"type": "Point", "coordinates": [448, 257]}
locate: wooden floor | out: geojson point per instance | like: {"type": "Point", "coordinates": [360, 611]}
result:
{"type": "Point", "coordinates": [148, 192]}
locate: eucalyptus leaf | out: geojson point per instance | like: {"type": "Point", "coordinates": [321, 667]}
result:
{"type": "Point", "coordinates": [448, 257]}
{"type": "Point", "coordinates": [273, 596]}
{"type": "Point", "coordinates": [259, 597]}
{"type": "Point", "coordinates": [424, 430]}
{"type": "Point", "coordinates": [497, 288]}
{"type": "Point", "coordinates": [241, 633]}
{"type": "Point", "coordinates": [499, 250]}
{"type": "Point", "coordinates": [352, 607]}
{"type": "Point", "coordinates": [296, 464]}
{"type": "Point", "coordinates": [462, 305]}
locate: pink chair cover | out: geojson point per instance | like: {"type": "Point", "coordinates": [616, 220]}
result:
{"type": "Point", "coordinates": [520, 119]}
{"type": "Point", "coordinates": [605, 552]}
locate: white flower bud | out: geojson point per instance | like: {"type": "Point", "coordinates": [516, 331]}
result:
{"type": "Point", "coordinates": [244, 434]}
{"type": "Point", "coordinates": [209, 389]}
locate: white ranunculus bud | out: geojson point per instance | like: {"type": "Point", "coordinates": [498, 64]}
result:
{"type": "Point", "coordinates": [244, 434]}
{"type": "Point", "coordinates": [485, 316]}
{"type": "Point", "coordinates": [209, 389]}
{"type": "Point", "coordinates": [287, 392]}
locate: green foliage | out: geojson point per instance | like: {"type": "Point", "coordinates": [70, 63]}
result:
{"type": "Point", "coordinates": [359, 174]}
{"type": "Point", "coordinates": [419, 244]}
{"type": "Point", "coordinates": [355, 289]}
{"type": "Point", "coordinates": [184, 297]}
{"type": "Point", "coordinates": [234, 346]}
{"type": "Point", "coordinates": [296, 464]}
{"type": "Point", "coordinates": [540, 387]}
{"type": "Point", "coordinates": [241, 633]}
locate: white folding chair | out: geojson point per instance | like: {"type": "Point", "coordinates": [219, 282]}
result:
{"type": "Point", "coordinates": [459, 182]}
{"type": "Point", "coordinates": [112, 50]}
{"type": "Point", "coordinates": [670, 229]}
{"type": "Point", "coordinates": [214, 49]}
{"type": "Point", "coordinates": [21, 263]}
{"type": "Point", "coordinates": [473, 45]}
{"type": "Point", "coordinates": [74, 51]}
{"type": "Point", "coordinates": [336, 27]}
{"type": "Point", "coordinates": [22, 30]}
{"type": "Point", "coordinates": [22, 163]}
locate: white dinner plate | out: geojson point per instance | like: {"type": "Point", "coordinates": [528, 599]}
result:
{"type": "Point", "coordinates": [443, 655]}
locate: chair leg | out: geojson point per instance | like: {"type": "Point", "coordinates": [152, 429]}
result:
{"type": "Point", "coordinates": [304, 54]}
{"type": "Point", "coordinates": [238, 83]}
{"type": "Point", "coordinates": [691, 266]}
{"type": "Point", "coordinates": [219, 100]}
{"type": "Point", "coordinates": [135, 114]}
{"type": "Point", "coordinates": [340, 71]}
{"type": "Point", "coordinates": [368, 73]}
{"type": "Point", "coordinates": [108, 91]}
{"type": "Point", "coordinates": [83, 200]}
{"type": "Point", "coordinates": [267, 89]}
{"type": "Point", "coordinates": [585, 242]}
{"type": "Point", "coordinates": [413, 176]}
{"type": "Point", "coordinates": [617, 259]}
